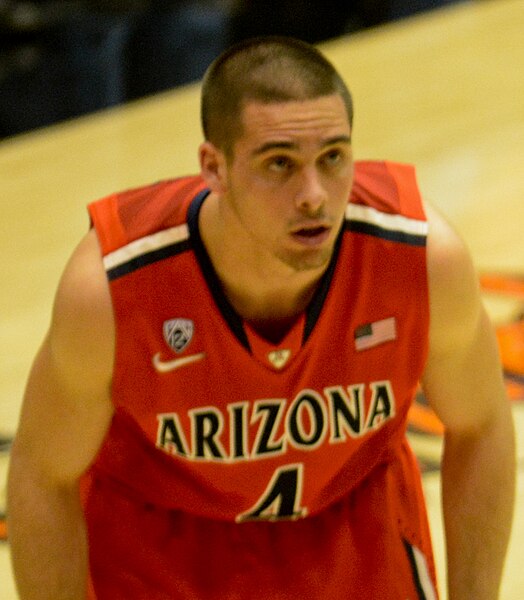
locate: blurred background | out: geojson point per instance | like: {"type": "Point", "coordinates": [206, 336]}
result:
{"type": "Point", "coordinates": [60, 59]}
{"type": "Point", "coordinates": [442, 89]}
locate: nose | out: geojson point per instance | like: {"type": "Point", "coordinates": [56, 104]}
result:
{"type": "Point", "coordinates": [311, 195]}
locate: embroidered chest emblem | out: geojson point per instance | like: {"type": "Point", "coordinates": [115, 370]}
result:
{"type": "Point", "coordinates": [373, 334]}
{"type": "Point", "coordinates": [178, 333]}
{"type": "Point", "coordinates": [279, 358]}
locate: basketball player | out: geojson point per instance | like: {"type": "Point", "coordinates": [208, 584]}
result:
{"type": "Point", "coordinates": [219, 408]}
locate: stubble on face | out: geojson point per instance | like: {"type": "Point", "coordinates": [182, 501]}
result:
{"type": "Point", "coordinates": [304, 233]}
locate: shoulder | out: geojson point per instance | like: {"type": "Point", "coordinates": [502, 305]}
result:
{"type": "Point", "coordinates": [84, 283]}
{"type": "Point", "coordinates": [388, 187]}
{"type": "Point", "coordinates": [454, 289]}
{"type": "Point", "coordinates": [126, 216]}
{"type": "Point", "coordinates": [82, 329]}
{"type": "Point", "coordinates": [463, 377]}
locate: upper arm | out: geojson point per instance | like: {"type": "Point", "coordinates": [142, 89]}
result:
{"type": "Point", "coordinates": [67, 407]}
{"type": "Point", "coordinates": [463, 377]}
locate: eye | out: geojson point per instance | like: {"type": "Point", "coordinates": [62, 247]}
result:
{"type": "Point", "coordinates": [333, 157]}
{"type": "Point", "coordinates": [280, 164]}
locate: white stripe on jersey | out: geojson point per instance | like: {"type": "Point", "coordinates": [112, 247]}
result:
{"type": "Point", "coordinates": [372, 216]}
{"type": "Point", "coordinates": [180, 233]}
{"type": "Point", "coordinates": [145, 245]}
{"type": "Point", "coordinates": [423, 574]}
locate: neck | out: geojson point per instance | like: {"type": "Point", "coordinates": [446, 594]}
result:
{"type": "Point", "coordinates": [261, 289]}
{"type": "Point", "coordinates": [266, 301]}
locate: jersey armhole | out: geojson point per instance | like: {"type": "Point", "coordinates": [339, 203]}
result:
{"type": "Point", "coordinates": [408, 191]}
{"type": "Point", "coordinates": [106, 221]}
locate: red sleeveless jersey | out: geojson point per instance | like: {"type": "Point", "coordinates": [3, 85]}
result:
{"type": "Point", "coordinates": [235, 468]}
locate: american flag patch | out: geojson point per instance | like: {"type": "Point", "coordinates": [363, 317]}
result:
{"type": "Point", "coordinates": [372, 334]}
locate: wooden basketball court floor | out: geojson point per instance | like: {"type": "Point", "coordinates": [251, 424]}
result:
{"type": "Point", "coordinates": [444, 91]}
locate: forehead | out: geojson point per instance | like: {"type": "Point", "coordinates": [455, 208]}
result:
{"type": "Point", "coordinates": [318, 118]}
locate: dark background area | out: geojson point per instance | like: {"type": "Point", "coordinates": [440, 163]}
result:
{"type": "Point", "coordinates": [65, 58]}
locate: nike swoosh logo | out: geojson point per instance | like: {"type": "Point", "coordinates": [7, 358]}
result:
{"type": "Point", "coordinates": [170, 365]}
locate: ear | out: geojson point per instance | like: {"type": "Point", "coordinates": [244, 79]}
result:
{"type": "Point", "coordinates": [213, 167]}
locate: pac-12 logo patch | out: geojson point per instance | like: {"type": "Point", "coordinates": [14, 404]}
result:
{"type": "Point", "coordinates": [178, 333]}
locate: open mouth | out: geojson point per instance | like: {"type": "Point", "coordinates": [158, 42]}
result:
{"type": "Point", "coordinates": [312, 232]}
{"type": "Point", "coordinates": [312, 235]}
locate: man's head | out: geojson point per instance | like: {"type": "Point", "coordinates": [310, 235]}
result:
{"type": "Point", "coordinates": [265, 70]}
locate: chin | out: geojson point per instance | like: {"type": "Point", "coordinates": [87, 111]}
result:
{"type": "Point", "coordinates": [308, 261]}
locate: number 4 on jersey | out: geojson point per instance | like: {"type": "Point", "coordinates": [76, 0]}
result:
{"type": "Point", "coordinates": [281, 499]}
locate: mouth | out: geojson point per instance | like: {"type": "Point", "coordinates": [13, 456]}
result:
{"type": "Point", "coordinates": [311, 235]}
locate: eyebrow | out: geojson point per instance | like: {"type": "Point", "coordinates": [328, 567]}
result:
{"type": "Point", "coordinates": [339, 139]}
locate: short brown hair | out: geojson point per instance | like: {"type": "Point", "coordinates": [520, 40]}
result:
{"type": "Point", "coordinates": [265, 69]}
